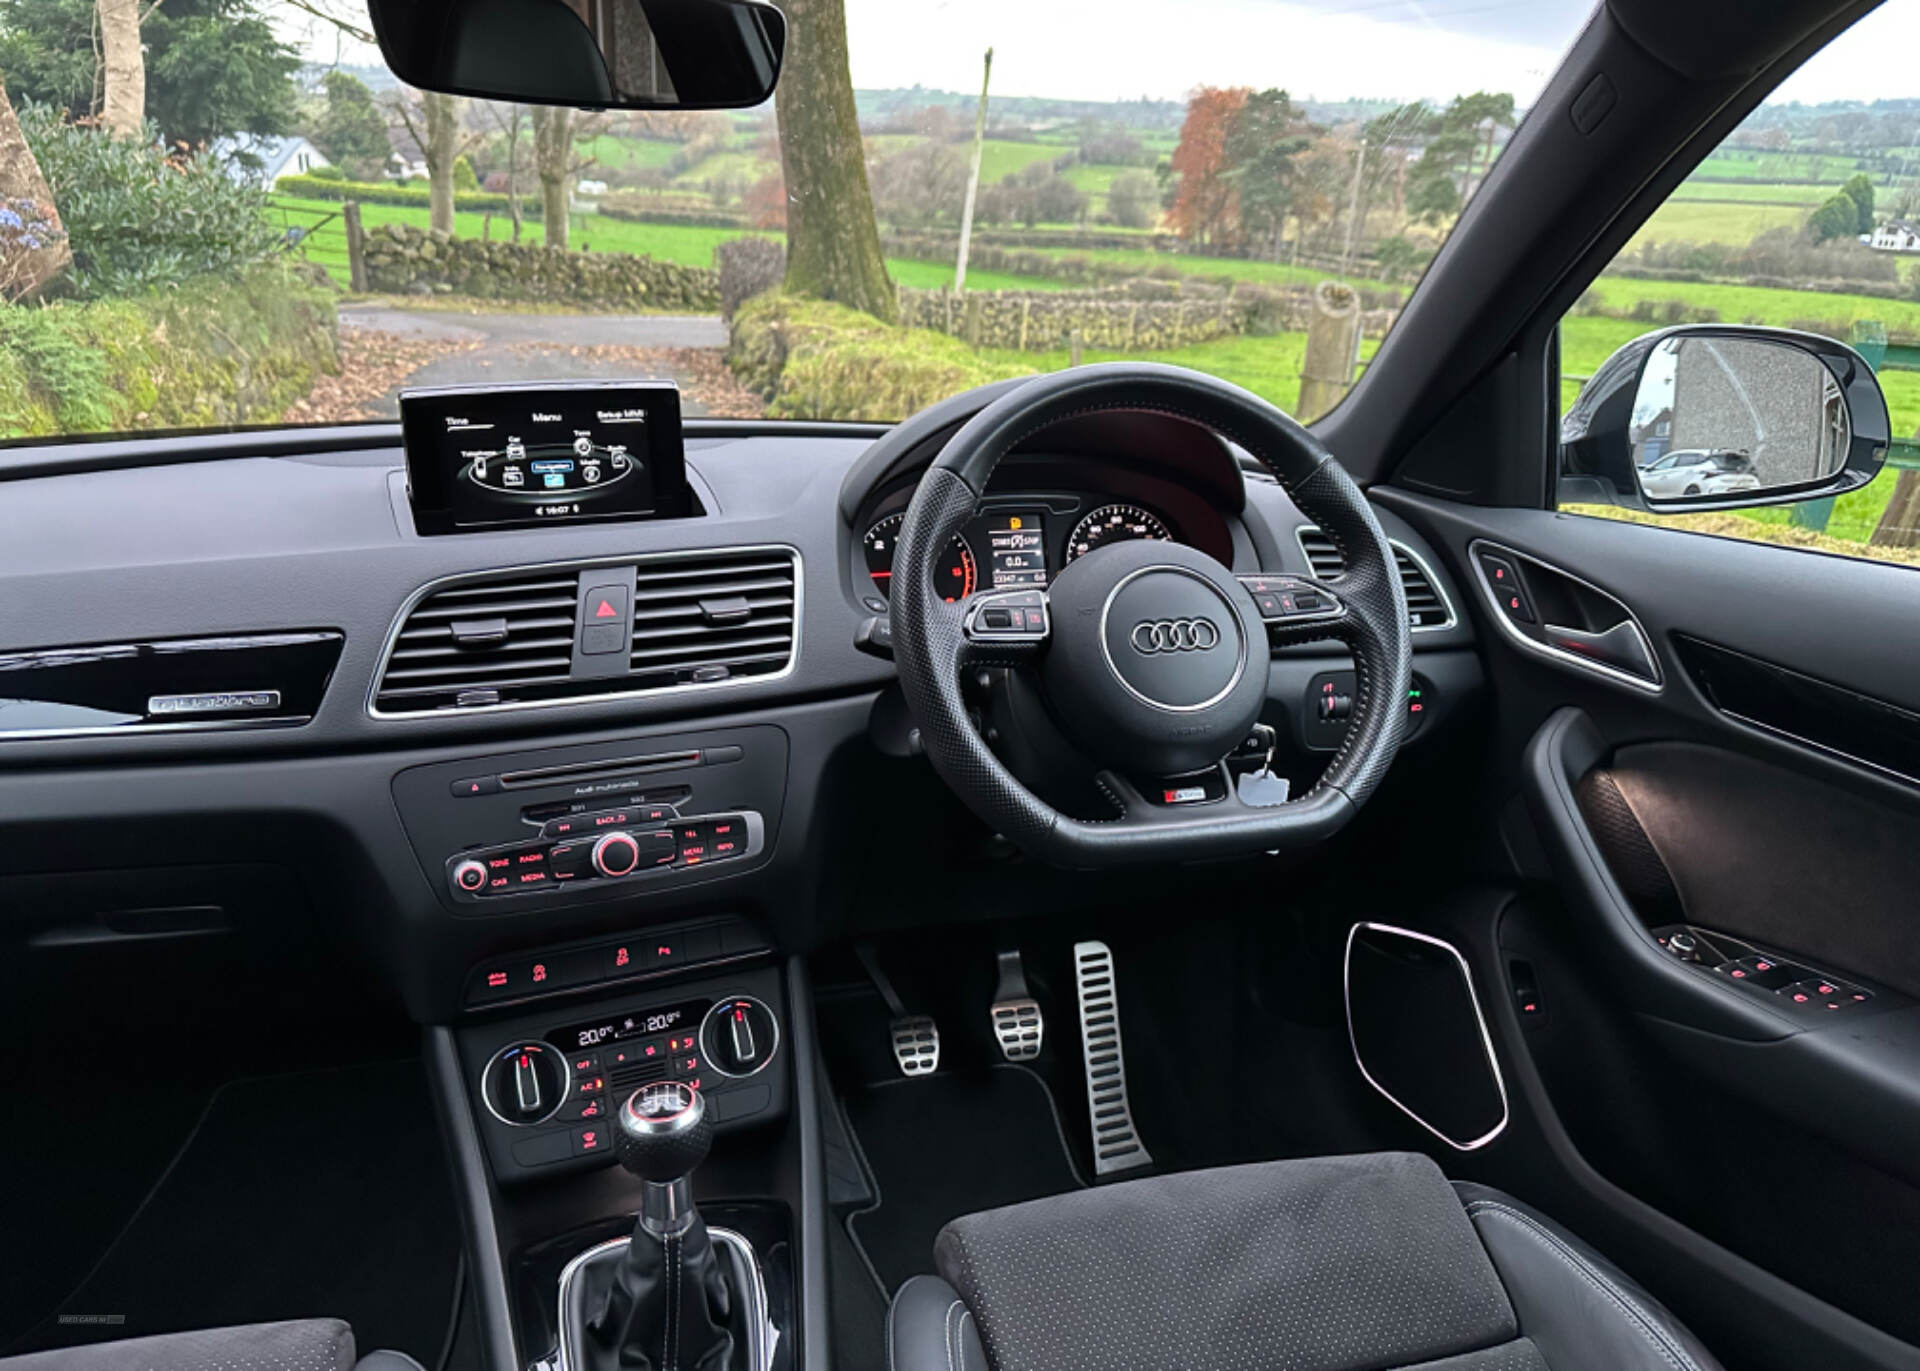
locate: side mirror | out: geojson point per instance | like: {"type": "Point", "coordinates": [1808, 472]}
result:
{"type": "Point", "coordinates": [607, 54]}
{"type": "Point", "coordinates": [1706, 417]}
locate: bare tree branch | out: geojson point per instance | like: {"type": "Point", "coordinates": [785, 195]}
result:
{"type": "Point", "coordinates": [347, 27]}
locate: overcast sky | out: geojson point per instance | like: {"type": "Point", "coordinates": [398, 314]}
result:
{"type": "Point", "coordinates": [1316, 49]}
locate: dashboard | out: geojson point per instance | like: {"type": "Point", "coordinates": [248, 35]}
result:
{"type": "Point", "coordinates": [741, 731]}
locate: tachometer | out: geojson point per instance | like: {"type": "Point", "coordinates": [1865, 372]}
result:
{"type": "Point", "coordinates": [1114, 524]}
{"type": "Point", "coordinates": [953, 579]}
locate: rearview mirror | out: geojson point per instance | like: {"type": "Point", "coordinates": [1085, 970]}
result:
{"type": "Point", "coordinates": [597, 54]}
{"type": "Point", "coordinates": [1706, 417]}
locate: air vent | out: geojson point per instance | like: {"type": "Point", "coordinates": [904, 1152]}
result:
{"type": "Point", "coordinates": [510, 639]}
{"type": "Point", "coordinates": [702, 619]}
{"type": "Point", "coordinates": [713, 618]}
{"type": "Point", "coordinates": [1426, 607]}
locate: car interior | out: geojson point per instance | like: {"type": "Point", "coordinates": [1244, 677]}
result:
{"type": "Point", "coordinates": [1095, 874]}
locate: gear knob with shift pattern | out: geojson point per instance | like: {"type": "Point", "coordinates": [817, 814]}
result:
{"type": "Point", "coordinates": [669, 1306]}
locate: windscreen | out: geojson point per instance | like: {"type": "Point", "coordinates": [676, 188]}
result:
{"type": "Point", "coordinates": [221, 213]}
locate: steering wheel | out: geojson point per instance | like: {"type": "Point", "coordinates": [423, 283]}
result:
{"type": "Point", "coordinates": [1152, 656]}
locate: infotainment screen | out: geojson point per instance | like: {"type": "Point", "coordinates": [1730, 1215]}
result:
{"type": "Point", "coordinates": [491, 457]}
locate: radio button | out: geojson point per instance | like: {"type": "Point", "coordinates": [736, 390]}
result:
{"type": "Point", "coordinates": [567, 860]}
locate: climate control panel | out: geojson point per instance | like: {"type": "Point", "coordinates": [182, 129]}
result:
{"type": "Point", "coordinates": [543, 1088]}
{"type": "Point", "coordinates": [626, 843]}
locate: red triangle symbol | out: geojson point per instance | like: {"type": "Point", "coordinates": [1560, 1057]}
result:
{"type": "Point", "coordinates": [606, 611]}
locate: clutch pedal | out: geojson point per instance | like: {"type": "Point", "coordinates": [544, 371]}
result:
{"type": "Point", "coordinates": [915, 1037]}
{"type": "Point", "coordinates": [1018, 1025]}
{"type": "Point", "coordinates": [916, 1044]}
{"type": "Point", "coordinates": [1116, 1143]}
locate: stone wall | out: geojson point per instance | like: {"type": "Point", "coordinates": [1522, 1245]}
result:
{"type": "Point", "coordinates": [1136, 316]}
{"type": "Point", "coordinates": [404, 260]}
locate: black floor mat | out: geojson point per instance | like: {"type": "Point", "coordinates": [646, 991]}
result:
{"type": "Point", "coordinates": [322, 1194]}
{"type": "Point", "coordinates": [948, 1145]}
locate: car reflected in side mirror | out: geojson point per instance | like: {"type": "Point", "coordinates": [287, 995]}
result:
{"type": "Point", "coordinates": [1707, 417]}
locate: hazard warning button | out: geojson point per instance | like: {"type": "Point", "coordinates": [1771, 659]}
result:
{"type": "Point", "coordinates": [603, 620]}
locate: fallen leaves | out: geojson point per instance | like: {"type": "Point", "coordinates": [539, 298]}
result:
{"type": "Point", "coordinates": [374, 366]}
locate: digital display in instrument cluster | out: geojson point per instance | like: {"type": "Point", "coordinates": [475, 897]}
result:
{"type": "Point", "coordinates": [1016, 549]}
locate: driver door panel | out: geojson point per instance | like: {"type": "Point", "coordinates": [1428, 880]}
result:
{"type": "Point", "coordinates": [1760, 789]}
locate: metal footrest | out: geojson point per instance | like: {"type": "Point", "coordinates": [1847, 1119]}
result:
{"type": "Point", "coordinates": [1116, 1143]}
{"type": "Point", "coordinates": [916, 1045]}
{"type": "Point", "coordinates": [1018, 1025]}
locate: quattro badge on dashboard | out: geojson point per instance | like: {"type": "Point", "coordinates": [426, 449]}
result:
{"type": "Point", "coordinates": [214, 702]}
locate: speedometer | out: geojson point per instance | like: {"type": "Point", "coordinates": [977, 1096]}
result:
{"type": "Point", "coordinates": [953, 579]}
{"type": "Point", "coordinates": [1114, 524]}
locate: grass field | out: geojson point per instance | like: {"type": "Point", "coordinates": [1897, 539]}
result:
{"type": "Point", "coordinates": [1736, 164]}
{"type": "Point", "coordinates": [1703, 221]}
{"type": "Point", "coordinates": [632, 154]}
{"type": "Point", "coordinates": [1757, 192]}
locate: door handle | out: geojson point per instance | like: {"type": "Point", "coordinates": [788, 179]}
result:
{"type": "Point", "coordinates": [1620, 647]}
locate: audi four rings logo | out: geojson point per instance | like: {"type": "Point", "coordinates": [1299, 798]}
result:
{"type": "Point", "coordinates": [1152, 636]}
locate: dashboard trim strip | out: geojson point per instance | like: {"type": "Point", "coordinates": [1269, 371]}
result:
{"type": "Point", "coordinates": [641, 559]}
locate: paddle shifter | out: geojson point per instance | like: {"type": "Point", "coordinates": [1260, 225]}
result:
{"type": "Point", "coordinates": [670, 1306]}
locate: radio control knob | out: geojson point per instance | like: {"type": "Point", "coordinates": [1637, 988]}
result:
{"type": "Point", "coordinates": [616, 854]}
{"type": "Point", "coordinates": [470, 876]}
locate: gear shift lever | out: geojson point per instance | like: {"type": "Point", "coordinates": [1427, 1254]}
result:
{"type": "Point", "coordinates": [661, 1137]}
{"type": "Point", "coordinates": [669, 1307]}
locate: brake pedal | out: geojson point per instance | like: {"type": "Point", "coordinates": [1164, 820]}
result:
{"type": "Point", "coordinates": [915, 1037]}
{"type": "Point", "coordinates": [1017, 1022]}
{"type": "Point", "coordinates": [1116, 1143]}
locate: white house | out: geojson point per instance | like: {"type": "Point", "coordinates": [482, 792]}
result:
{"type": "Point", "coordinates": [256, 160]}
{"type": "Point", "coordinates": [1900, 235]}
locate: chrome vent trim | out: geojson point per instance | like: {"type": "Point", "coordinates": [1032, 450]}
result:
{"type": "Point", "coordinates": [671, 632]}
{"type": "Point", "coordinates": [1428, 609]}
{"type": "Point", "coordinates": [750, 652]}
{"type": "Point", "coordinates": [425, 668]}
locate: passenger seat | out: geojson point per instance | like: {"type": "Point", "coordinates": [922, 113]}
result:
{"type": "Point", "coordinates": [295, 1345]}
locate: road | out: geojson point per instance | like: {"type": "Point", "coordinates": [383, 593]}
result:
{"type": "Point", "coordinates": [539, 347]}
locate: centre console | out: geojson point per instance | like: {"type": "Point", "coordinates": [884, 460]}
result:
{"type": "Point", "coordinates": [546, 1082]}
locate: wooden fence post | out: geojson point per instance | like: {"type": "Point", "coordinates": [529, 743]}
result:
{"type": "Point", "coordinates": [1333, 349]}
{"type": "Point", "coordinates": [973, 320]}
{"type": "Point", "coordinates": [1026, 312]}
{"type": "Point", "coordinates": [356, 247]}
{"type": "Point", "coordinates": [1073, 347]}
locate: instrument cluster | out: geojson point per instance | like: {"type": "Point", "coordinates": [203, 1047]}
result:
{"type": "Point", "coordinates": [1023, 539]}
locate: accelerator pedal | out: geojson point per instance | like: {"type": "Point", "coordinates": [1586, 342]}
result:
{"type": "Point", "coordinates": [1116, 1143]}
{"type": "Point", "coordinates": [915, 1037]}
{"type": "Point", "coordinates": [1017, 1022]}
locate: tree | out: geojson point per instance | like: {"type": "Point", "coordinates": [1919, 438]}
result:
{"type": "Point", "coordinates": [463, 175]}
{"type": "Point", "coordinates": [1859, 189]}
{"type": "Point", "coordinates": [511, 119]}
{"type": "Point", "coordinates": [923, 183]}
{"type": "Point", "coordinates": [1265, 136]}
{"type": "Point", "coordinates": [553, 164]}
{"type": "Point", "coordinates": [1133, 200]}
{"type": "Point", "coordinates": [833, 240]}
{"type": "Point", "coordinates": [1839, 217]}
{"type": "Point", "coordinates": [123, 110]}
{"type": "Point", "coordinates": [1206, 206]}
{"type": "Point", "coordinates": [350, 129]}
{"type": "Point", "coordinates": [432, 120]}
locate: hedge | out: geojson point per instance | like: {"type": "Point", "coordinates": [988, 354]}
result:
{"type": "Point", "coordinates": [388, 193]}
{"type": "Point", "coordinates": [215, 352]}
{"type": "Point", "coordinates": [814, 360]}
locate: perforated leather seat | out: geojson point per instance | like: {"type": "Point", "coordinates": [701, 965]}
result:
{"type": "Point", "coordinates": [1337, 1264]}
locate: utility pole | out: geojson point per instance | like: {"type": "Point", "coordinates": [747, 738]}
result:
{"type": "Point", "coordinates": [973, 179]}
{"type": "Point", "coordinates": [1353, 210]}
